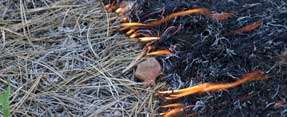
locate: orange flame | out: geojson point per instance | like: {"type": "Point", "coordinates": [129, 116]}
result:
{"type": "Point", "coordinates": [159, 52]}
{"type": "Point", "coordinates": [110, 7]}
{"type": "Point", "coordinates": [133, 24]}
{"type": "Point", "coordinates": [131, 31]}
{"type": "Point", "coordinates": [147, 39]}
{"type": "Point", "coordinates": [249, 27]}
{"type": "Point", "coordinates": [177, 109]}
{"type": "Point", "coordinates": [207, 87]}
{"type": "Point", "coordinates": [149, 48]}
{"type": "Point", "coordinates": [176, 105]}
{"type": "Point", "coordinates": [123, 28]}
{"type": "Point", "coordinates": [124, 18]}
{"type": "Point", "coordinates": [120, 10]}
{"type": "Point", "coordinates": [202, 11]}
{"type": "Point", "coordinates": [134, 35]}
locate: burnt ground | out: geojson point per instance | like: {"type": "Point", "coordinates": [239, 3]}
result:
{"type": "Point", "coordinates": [61, 58]}
{"type": "Point", "coordinates": [208, 51]}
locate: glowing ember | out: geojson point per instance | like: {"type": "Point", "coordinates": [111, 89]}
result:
{"type": "Point", "coordinates": [133, 24]}
{"type": "Point", "coordinates": [149, 48]}
{"type": "Point", "coordinates": [207, 87]}
{"type": "Point", "coordinates": [221, 16]}
{"type": "Point", "coordinates": [131, 31]}
{"type": "Point", "coordinates": [249, 27]}
{"type": "Point", "coordinates": [134, 35]}
{"type": "Point", "coordinates": [124, 18]}
{"type": "Point", "coordinates": [176, 110]}
{"type": "Point", "coordinates": [110, 7]}
{"type": "Point", "coordinates": [123, 28]}
{"type": "Point", "coordinates": [120, 10]}
{"type": "Point", "coordinates": [202, 11]}
{"type": "Point", "coordinates": [148, 39]}
{"type": "Point", "coordinates": [159, 52]}
{"type": "Point", "coordinates": [176, 105]}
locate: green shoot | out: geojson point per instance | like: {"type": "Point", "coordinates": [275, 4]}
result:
{"type": "Point", "coordinates": [4, 102]}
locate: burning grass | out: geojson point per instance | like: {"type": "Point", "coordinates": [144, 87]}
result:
{"type": "Point", "coordinates": [64, 57]}
{"type": "Point", "coordinates": [209, 87]}
{"type": "Point", "coordinates": [216, 45]}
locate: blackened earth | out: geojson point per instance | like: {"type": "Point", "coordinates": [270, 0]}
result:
{"type": "Point", "coordinates": [207, 51]}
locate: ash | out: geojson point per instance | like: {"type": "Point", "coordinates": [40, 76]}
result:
{"type": "Point", "coordinates": [208, 51]}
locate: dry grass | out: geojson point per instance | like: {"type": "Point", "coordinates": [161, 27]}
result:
{"type": "Point", "coordinates": [62, 58]}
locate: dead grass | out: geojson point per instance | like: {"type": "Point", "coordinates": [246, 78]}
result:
{"type": "Point", "coordinates": [62, 58]}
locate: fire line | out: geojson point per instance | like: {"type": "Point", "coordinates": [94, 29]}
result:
{"type": "Point", "coordinates": [148, 39]}
{"type": "Point", "coordinates": [159, 52]}
{"type": "Point", "coordinates": [207, 87]}
{"type": "Point", "coordinates": [202, 11]}
{"type": "Point", "coordinates": [177, 109]}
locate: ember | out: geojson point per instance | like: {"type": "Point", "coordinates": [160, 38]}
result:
{"type": "Point", "coordinates": [120, 10]}
{"type": "Point", "coordinates": [159, 52]}
{"type": "Point", "coordinates": [134, 35]}
{"type": "Point", "coordinates": [249, 27]}
{"type": "Point", "coordinates": [202, 11]}
{"type": "Point", "coordinates": [207, 87]}
{"type": "Point", "coordinates": [131, 31]}
{"type": "Point", "coordinates": [148, 39]}
{"type": "Point", "coordinates": [176, 110]}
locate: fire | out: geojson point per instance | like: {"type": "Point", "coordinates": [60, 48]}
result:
{"type": "Point", "coordinates": [111, 7]}
{"type": "Point", "coordinates": [134, 35]}
{"type": "Point", "coordinates": [123, 28]}
{"type": "Point", "coordinates": [124, 18]}
{"type": "Point", "coordinates": [159, 52]}
{"type": "Point", "coordinates": [120, 10]}
{"type": "Point", "coordinates": [131, 31]}
{"type": "Point", "coordinates": [148, 39]}
{"type": "Point", "coordinates": [176, 105]}
{"type": "Point", "coordinates": [177, 109]}
{"type": "Point", "coordinates": [207, 87]}
{"type": "Point", "coordinates": [149, 48]}
{"type": "Point", "coordinates": [249, 27]}
{"type": "Point", "coordinates": [202, 11]}
{"type": "Point", "coordinates": [133, 24]}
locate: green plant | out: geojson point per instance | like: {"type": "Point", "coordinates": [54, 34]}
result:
{"type": "Point", "coordinates": [4, 102]}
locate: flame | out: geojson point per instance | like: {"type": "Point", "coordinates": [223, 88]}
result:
{"type": "Point", "coordinates": [176, 105]}
{"type": "Point", "coordinates": [120, 10]}
{"type": "Point", "coordinates": [159, 52]}
{"type": "Point", "coordinates": [134, 35]}
{"type": "Point", "coordinates": [249, 27]}
{"type": "Point", "coordinates": [111, 7]}
{"type": "Point", "coordinates": [123, 28]}
{"type": "Point", "coordinates": [147, 39]}
{"type": "Point", "coordinates": [133, 24]}
{"type": "Point", "coordinates": [177, 109]}
{"type": "Point", "coordinates": [149, 48]}
{"type": "Point", "coordinates": [207, 87]}
{"type": "Point", "coordinates": [131, 31]}
{"type": "Point", "coordinates": [124, 18]}
{"type": "Point", "coordinates": [202, 11]}
{"type": "Point", "coordinates": [221, 16]}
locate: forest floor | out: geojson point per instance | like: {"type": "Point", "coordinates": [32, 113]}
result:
{"type": "Point", "coordinates": [65, 58]}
